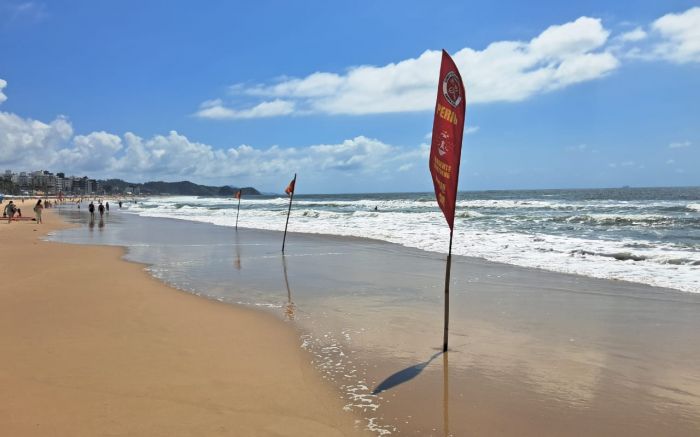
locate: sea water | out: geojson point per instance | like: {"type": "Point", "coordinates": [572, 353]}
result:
{"type": "Point", "coordinates": [644, 235]}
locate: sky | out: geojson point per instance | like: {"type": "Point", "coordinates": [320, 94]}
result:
{"type": "Point", "coordinates": [559, 94]}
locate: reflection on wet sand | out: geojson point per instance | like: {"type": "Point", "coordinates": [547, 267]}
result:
{"type": "Point", "coordinates": [289, 308]}
{"type": "Point", "coordinates": [237, 258]}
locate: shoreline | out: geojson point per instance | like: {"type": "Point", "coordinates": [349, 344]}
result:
{"type": "Point", "coordinates": [97, 345]}
{"type": "Point", "coordinates": [565, 235]}
{"type": "Point", "coordinates": [426, 253]}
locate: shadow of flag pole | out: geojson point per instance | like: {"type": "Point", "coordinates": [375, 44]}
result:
{"type": "Point", "coordinates": [290, 192]}
{"type": "Point", "coordinates": [445, 155]}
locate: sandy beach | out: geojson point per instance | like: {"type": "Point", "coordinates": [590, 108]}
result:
{"type": "Point", "coordinates": [532, 352]}
{"type": "Point", "coordinates": [93, 346]}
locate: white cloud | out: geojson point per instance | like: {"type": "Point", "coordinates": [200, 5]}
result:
{"type": "Point", "coordinates": [679, 145]}
{"type": "Point", "coordinates": [30, 144]}
{"type": "Point", "coordinates": [681, 36]}
{"type": "Point", "coordinates": [671, 162]}
{"type": "Point", "coordinates": [92, 152]}
{"type": "Point", "coordinates": [26, 140]}
{"type": "Point", "coordinates": [174, 156]}
{"type": "Point", "coordinates": [468, 130]}
{"type": "Point", "coordinates": [627, 164]}
{"type": "Point", "coordinates": [504, 71]}
{"type": "Point", "coordinates": [22, 12]}
{"type": "Point", "coordinates": [560, 56]}
{"type": "Point", "coordinates": [637, 34]}
{"type": "Point", "coordinates": [3, 84]}
{"type": "Point", "coordinates": [579, 147]}
{"type": "Point", "coordinates": [215, 109]}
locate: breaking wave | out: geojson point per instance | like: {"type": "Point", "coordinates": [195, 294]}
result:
{"type": "Point", "coordinates": [655, 242]}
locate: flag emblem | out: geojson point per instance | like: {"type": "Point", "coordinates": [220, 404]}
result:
{"type": "Point", "coordinates": [444, 143]}
{"type": "Point", "coordinates": [452, 89]}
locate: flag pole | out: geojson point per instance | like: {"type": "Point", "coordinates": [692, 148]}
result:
{"type": "Point", "coordinates": [447, 294]}
{"type": "Point", "coordinates": [445, 394]}
{"type": "Point", "coordinates": [445, 155]}
{"type": "Point", "coordinates": [288, 212]}
{"type": "Point", "coordinates": [238, 211]}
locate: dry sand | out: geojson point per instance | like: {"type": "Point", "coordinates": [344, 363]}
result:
{"type": "Point", "coordinates": [93, 346]}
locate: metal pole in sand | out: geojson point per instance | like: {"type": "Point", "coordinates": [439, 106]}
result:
{"type": "Point", "coordinates": [447, 294]}
{"type": "Point", "coordinates": [238, 210]}
{"type": "Point", "coordinates": [291, 196]}
{"type": "Point", "coordinates": [445, 395]}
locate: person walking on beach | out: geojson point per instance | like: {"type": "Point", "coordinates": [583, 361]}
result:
{"type": "Point", "coordinates": [107, 206]}
{"type": "Point", "coordinates": [37, 211]}
{"type": "Point", "coordinates": [91, 208]}
{"type": "Point", "coordinates": [10, 211]}
{"type": "Point", "coordinates": [120, 204]}
{"type": "Point", "coordinates": [101, 209]}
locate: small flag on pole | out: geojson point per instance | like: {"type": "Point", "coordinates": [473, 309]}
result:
{"type": "Point", "coordinates": [238, 211]}
{"type": "Point", "coordinates": [290, 188]}
{"type": "Point", "coordinates": [445, 154]}
{"type": "Point", "coordinates": [290, 192]}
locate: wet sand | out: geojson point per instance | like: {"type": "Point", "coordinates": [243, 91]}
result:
{"type": "Point", "coordinates": [532, 353]}
{"type": "Point", "coordinates": [94, 346]}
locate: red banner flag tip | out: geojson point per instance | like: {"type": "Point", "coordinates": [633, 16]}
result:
{"type": "Point", "coordinates": [290, 188]}
{"type": "Point", "coordinates": [448, 127]}
{"type": "Point", "coordinates": [238, 194]}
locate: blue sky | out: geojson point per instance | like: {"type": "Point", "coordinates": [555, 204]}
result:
{"type": "Point", "coordinates": [560, 95]}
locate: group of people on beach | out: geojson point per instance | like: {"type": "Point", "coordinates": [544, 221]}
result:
{"type": "Point", "coordinates": [100, 208]}
{"type": "Point", "coordinates": [11, 210]}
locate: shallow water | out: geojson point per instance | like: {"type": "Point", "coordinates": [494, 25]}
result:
{"type": "Point", "coordinates": [645, 235]}
{"type": "Point", "coordinates": [531, 352]}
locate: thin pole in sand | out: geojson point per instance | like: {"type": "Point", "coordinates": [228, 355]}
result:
{"type": "Point", "coordinates": [238, 211]}
{"type": "Point", "coordinates": [290, 191]}
{"type": "Point", "coordinates": [447, 294]}
{"type": "Point", "coordinates": [445, 395]}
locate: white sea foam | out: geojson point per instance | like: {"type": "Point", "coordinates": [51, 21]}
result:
{"type": "Point", "coordinates": [419, 224]}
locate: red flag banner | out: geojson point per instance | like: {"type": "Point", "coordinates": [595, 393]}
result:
{"type": "Point", "coordinates": [448, 127]}
{"type": "Point", "coordinates": [290, 188]}
{"type": "Point", "coordinates": [238, 194]}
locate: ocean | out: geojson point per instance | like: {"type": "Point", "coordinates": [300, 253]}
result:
{"type": "Point", "coordinates": [644, 235]}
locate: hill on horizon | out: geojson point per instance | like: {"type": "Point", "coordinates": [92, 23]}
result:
{"type": "Point", "coordinates": [183, 188]}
